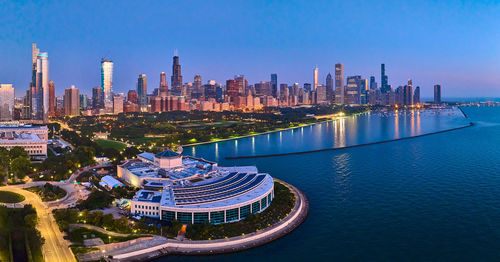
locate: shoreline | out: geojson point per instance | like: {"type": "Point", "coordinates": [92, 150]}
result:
{"type": "Point", "coordinates": [257, 134]}
{"type": "Point", "coordinates": [353, 146]}
{"type": "Point", "coordinates": [235, 244]}
{"type": "Point", "coordinates": [272, 131]}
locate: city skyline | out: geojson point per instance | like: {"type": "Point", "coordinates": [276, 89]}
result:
{"type": "Point", "coordinates": [411, 50]}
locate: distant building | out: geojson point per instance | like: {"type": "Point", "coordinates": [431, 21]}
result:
{"type": "Point", "coordinates": [315, 79]}
{"type": "Point", "coordinates": [163, 85]}
{"type": "Point", "coordinates": [373, 84]}
{"type": "Point", "coordinates": [384, 88]}
{"type": "Point", "coordinates": [83, 102]}
{"type": "Point", "coordinates": [353, 90]}
{"type": "Point", "coordinates": [274, 85]}
{"type": "Point", "coordinates": [416, 95]}
{"type": "Point", "coordinates": [107, 79]}
{"type": "Point", "coordinates": [52, 99]}
{"type": "Point", "coordinates": [330, 96]}
{"type": "Point", "coordinates": [437, 94]}
{"type": "Point", "coordinates": [339, 84]}
{"type": "Point", "coordinates": [6, 102]}
{"type": "Point", "coordinates": [117, 104]}
{"type": "Point", "coordinates": [142, 92]}
{"type": "Point", "coordinates": [97, 98]}
{"type": "Point", "coordinates": [71, 101]}
{"type": "Point", "coordinates": [176, 79]}
{"type": "Point", "coordinates": [40, 89]}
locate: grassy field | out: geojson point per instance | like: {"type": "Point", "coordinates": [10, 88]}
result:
{"type": "Point", "coordinates": [111, 144]}
{"type": "Point", "coordinates": [10, 197]}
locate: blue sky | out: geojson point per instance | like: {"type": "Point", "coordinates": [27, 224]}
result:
{"type": "Point", "coordinates": [453, 43]}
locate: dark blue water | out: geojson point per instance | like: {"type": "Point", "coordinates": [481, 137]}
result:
{"type": "Point", "coordinates": [433, 198]}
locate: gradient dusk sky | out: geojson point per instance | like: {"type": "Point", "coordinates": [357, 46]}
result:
{"type": "Point", "coordinates": [452, 43]}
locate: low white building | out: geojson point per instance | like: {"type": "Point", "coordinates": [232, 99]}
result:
{"type": "Point", "coordinates": [32, 138]}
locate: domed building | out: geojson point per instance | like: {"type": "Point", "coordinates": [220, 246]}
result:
{"type": "Point", "coordinates": [193, 190]}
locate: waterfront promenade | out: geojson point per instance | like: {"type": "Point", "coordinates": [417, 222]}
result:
{"type": "Point", "coordinates": [204, 247]}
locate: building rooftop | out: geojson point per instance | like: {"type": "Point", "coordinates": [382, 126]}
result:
{"type": "Point", "coordinates": [228, 189]}
{"type": "Point", "coordinates": [167, 154]}
{"type": "Point", "coordinates": [190, 167]}
{"type": "Point", "coordinates": [147, 196]}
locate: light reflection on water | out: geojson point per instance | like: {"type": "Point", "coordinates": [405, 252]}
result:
{"type": "Point", "coordinates": [347, 131]}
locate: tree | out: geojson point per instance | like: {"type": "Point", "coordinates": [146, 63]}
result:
{"type": "Point", "coordinates": [4, 158]}
{"type": "Point", "coordinates": [31, 220]}
{"type": "Point", "coordinates": [18, 151]}
{"type": "Point", "coordinates": [20, 167]}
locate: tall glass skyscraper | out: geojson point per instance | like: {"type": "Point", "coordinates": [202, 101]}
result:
{"type": "Point", "coordinates": [107, 79]}
{"type": "Point", "coordinates": [40, 92]}
{"type": "Point", "coordinates": [142, 92]}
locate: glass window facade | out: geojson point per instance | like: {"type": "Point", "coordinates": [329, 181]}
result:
{"type": "Point", "coordinates": [217, 217]}
{"type": "Point", "coordinates": [232, 214]}
{"type": "Point", "coordinates": [184, 218]}
{"type": "Point", "coordinates": [256, 207]}
{"type": "Point", "coordinates": [263, 203]}
{"type": "Point", "coordinates": [167, 215]}
{"type": "Point", "coordinates": [244, 211]}
{"type": "Point", "coordinates": [200, 218]}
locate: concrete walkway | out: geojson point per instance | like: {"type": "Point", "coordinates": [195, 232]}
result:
{"type": "Point", "coordinates": [99, 229]}
{"type": "Point", "coordinates": [287, 225]}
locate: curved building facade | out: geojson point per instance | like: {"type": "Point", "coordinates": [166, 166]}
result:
{"type": "Point", "coordinates": [210, 195]}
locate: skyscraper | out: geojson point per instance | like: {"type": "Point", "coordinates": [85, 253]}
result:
{"type": "Point", "coordinates": [197, 90]}
{"type": "Point", "coordinates": [40, 92]}
{"type": "Point", "coordinates": [373, 84]}
{"type": "Point", "coordinates": [97, 98]}
{"type": "Point", "coordinates": [416, 95]}
{"type": "Point", "coordinates": [329, 88]}
{"type": "Point", "coordinates": [142, 92]}
{"type": "Point", "coordinates": [71, 101]}
{"type": "Point", "coordinates": [315, 79]}
{"type": "Point", "coordinates": [274, 85]}
{"type": "Point", "coordinates": [408, 93]}
{"type": "Point", "coordinates": [384, 88]}
{"type": "Point", "coordinates": [107, 79]}
{"type": "Point", "coordinates": [163, 84]}
{"type": "Point", "coordinates": [437, 94]}
{"type": "Point", "coordinates": [52, 99]}
{"type": "Point", "coordinates": [6, 102]}
{"type": "Point", "coordinates": [339, 84]}
{"type": "Point", "coordinates": [353, 90]}
{"type": "Point", "coordinates": [176, 79]}
{"type": "Point", "coordinates": [83, 102]}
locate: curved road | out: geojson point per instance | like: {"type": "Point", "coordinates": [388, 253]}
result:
{"type": "Point", "coordinates": [55, 247]}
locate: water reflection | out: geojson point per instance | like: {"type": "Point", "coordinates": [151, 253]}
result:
{"type": "Point", "coordinates": [365, 128]}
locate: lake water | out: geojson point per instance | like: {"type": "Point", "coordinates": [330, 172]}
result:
{"type": "Point", "coordinates": [425, 199]}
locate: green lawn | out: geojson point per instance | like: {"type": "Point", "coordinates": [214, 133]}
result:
{"type": "Point", "coordinates": [10, 197]}
{"type": "Point", "coordinates": [111, 144]}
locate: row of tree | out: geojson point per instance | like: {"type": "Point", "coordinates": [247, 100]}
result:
{"type": "Point", "coordinates": [15, 162]}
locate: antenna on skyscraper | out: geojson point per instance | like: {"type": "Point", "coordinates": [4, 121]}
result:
{"type": "Point", "coordinates": [176, 53]}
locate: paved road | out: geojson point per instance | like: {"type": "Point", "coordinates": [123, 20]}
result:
{"type": "Point", "coordinates": [55, 247]}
